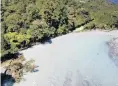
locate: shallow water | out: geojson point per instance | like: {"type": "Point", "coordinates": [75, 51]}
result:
{"type": "Point", "coordinates": [73, 60]}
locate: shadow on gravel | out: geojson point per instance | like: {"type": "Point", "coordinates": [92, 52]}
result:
{"type": "Point", "coordinates": [7, 80]}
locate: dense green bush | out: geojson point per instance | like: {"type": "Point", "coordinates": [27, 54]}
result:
{"type": "Point", "coordinates": [28, 21]}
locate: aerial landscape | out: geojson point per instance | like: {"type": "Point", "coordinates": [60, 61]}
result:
{"type": "Point", "coordinates": [59, 43]}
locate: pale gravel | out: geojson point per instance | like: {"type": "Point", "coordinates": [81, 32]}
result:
{"type": "Point", "coordinates": [47, 65]}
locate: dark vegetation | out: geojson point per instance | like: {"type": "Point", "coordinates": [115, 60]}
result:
{"type": "Point", "coordinates": [7, 80]}
{"type": "Point", "coordinates": [16, 68]}
{"type": "Point", "coordinates": [26, 22]}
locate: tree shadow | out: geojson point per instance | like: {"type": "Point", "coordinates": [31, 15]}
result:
{"type": "Point", "coordinates": [35, 70]}
{"type": "Point", "coordinates": [49, 41]}
{"type": "Point", "coordinates": [7, 80]}
{"type": "Point", "coordinates": [9, 56]}
{"type": "Point", "coordinates": [46, 40]}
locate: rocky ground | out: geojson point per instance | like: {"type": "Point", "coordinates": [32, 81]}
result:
{"type": "Point", "coordinates": [113, 50]}
{"type": "Point", "coordinates": [113, 45]}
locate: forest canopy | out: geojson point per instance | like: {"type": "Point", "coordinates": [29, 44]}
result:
{"type": "Point", "coordinates": [25, 22]}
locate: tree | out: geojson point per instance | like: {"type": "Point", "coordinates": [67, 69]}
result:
{"type": "Point", "coordinates": [13, 22]}
{"type": "Point", "coordinates": [32, 11]}
{"type": "Point", "coordinates": [62, 30]}
{"type": "Point", "coordinates": [35, 32]}
{"type": "Point", "coordinates": [25, 22]}
{"type": "Point", "coordinates": [17, 40]}
{"type": "Point", "coordinates": [4, 45]}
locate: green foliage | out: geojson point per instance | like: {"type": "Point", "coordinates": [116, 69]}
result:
{"type": "Point", "coordinates": [25, 22]}
{"type": "Point", "coordinates": [4, 45]}
{"type": "Point", "coordinates": [35, 32]}
{"type": "Point", "coordinates": [89, 26]}
{"type": "Point", "coordinates": [13, 22]}
{"type": "Point", "coordinates": [104, 14]}
{"type": "Point", "coordinates": [32, 11]}
{"type": "Point", "coordinates": [62, 30]}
